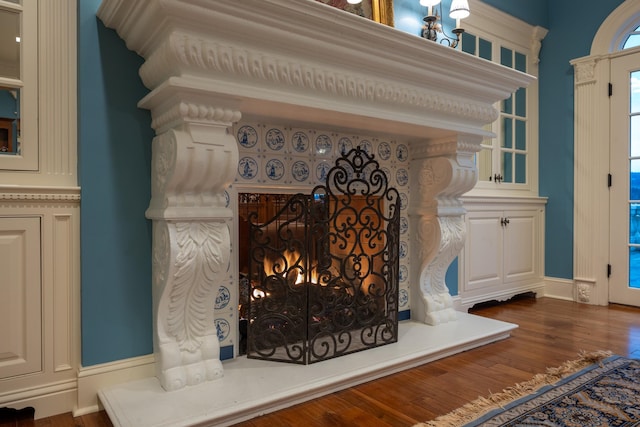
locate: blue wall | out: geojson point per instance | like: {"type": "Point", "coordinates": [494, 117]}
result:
{"type": "Point", "coordinates": [114, 168]}
{"type": "Point", "coordinates": [115, 155]}
{"type": "Point", "coordinates": [572, 26]}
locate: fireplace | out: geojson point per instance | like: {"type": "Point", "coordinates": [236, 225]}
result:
{"type": "Point", "coordinates": [322, 269]}
{"type": "Point", "coordinates": [298, 65]}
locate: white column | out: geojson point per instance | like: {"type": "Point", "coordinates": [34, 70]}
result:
{"type": "Point", "coordinates": [591, 194]}
{"type": "Point", "coordinates": [441, 171]}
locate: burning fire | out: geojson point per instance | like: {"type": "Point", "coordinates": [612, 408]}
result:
{"type": "Point", "coordinates": [291, 266]}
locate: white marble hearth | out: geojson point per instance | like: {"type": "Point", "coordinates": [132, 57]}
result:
{"type": "Point", "coordinates": [250, 388]}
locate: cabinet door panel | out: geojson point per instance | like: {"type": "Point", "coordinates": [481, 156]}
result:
{"type": "Point", "coordinates": [520, 245]}
{"type": "Point", "coordinates": [483, 250]}
{"type": "Point", "coordinates": [20, 296]}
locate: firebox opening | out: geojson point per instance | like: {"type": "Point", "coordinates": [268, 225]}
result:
{"type": "Point", "coordinates": [319, 271]}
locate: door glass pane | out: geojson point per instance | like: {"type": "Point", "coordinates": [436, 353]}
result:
{"type": "Point", "coordinates": [634, 223]}
{"type": "Point", "coordinates": [634, 143]}
{"type": "Point", "coordinates": [634, 180]}
{"type": "Point", "coordinates": [485, 163]}
{"type": "Point", "coordinates": [521, 102]}
{"type": "Point", "coordinates": [635, 92]}
{"type": "Point", "coordinates": [521, 62]}
{"type": "Point", "coordinates": [484, 48]}
{"type": "Point", "coordinates": [507, 132]}
{"type": "Point", "coordinates": [9, 44]}
{"type": "Point", "coordinates": [507, 167]}
{"type": "Point", "coordinates": [506, 57]}
{"type": "Point", "coordinates": [507, 105]}
{"type": "Point", "coordinates": [632, 41]}
{"type": "Point", "coordinates": [469, 43]}
{"type": "Point", "coordinates": [521, 169]}
{"type": "Point", "coordinates": [634, 245]}
{"type": "Point", "coordinates": [9, 120]}
{"type": "Point", "coordinates": [521, 135]}
{"type": "Point", "coordinates": [634, 267]}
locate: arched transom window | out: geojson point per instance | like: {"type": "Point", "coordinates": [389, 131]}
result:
{"type": "Point", "coordinates": [633, 39]}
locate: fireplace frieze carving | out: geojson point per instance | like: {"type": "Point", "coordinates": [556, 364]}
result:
{"type": "Point", "coordinates": [187, 52]}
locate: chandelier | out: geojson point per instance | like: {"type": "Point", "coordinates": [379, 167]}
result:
{"type": "Point", "coordinates": [459, 10]}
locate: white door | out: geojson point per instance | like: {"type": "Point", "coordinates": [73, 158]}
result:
{"type": "Point", "coordinates": [624, 282]}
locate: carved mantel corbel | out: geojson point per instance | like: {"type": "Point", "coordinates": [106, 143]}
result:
{"type": "Point", "coordinates": [193, 160]}
{"type": "Point", "coordinates": [442, 171]}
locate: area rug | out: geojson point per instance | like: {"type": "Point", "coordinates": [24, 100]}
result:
{"type": "Point", "coordinates": [598, 389]}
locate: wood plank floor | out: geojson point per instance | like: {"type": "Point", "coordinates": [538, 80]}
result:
{"type": "Point", "coordinates": [551, 332]}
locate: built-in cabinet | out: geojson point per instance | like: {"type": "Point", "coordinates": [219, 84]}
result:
{"type": "Point", "coordinates": [20, 342]}
{"type": "Point", "coordinates": [39, 211]}
{"type": "Point", "coordinates": [503, 253]}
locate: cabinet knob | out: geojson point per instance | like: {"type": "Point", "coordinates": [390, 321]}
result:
{"type": "Point", "coordinates": [504, 221]}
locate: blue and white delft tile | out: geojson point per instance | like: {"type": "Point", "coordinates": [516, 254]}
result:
{"type": "Point", "coordinates": [402, 177]}
{"type": "Point", "coordinates": [402, 153]}
{"type": "Point", "coordinates": [383, 152]}
{"type": "Point", "coordinates": [403, 298]}
{"type": "Point", "coordinates": [344, 145]}
{"type": "Point", "coordinates": [366, 146]}
{"type": "Point", "coordinates": [403, 273]}
{"type": "Point", "coordinates": [404, 201]}
{"type": "Point", "coordinates": [274, 169]}
{"type": "Point", "coordinates": [404, 225]}
{"type": "Point", "coordinates": [404, 249]}
{"type": "Point", "coordinates": [223, 297]}
{"type": "Point", "coordinates": [275, 139]}
{"type": "Point", "coordinates": [225, 328]}
{"type": "Point", "coordinates": [301, 170]}
{"type": "Point", "coordinates": [248, 137]}
{"type": "Point", "coordinates": [300, 141]}
{"type": "Point", "coordinates": [321, 170]}
{"type": "Point", "coordinates": [248, 169]}
{"type": "Point", "coordinates": [323, 144]}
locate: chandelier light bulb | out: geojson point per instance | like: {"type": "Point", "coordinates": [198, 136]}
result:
{"type": "Point", "coordinates": [354, 1]}
{"type": "Point", "coordinates": [429, 2]}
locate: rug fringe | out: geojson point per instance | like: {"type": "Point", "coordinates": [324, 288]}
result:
{"type": "Point", "coordinates": [482, 405]}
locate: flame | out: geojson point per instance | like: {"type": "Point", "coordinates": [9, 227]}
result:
{"type": "Point", "coordinates": [288, 268]}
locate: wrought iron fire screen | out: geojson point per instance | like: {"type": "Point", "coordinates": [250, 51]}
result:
{"type": "Point", "coordinates": [323, 273]}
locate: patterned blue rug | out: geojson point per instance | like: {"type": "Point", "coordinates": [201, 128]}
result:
{"type": "Point", "coordinates": [604, 393]}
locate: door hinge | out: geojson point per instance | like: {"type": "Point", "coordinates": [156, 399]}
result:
{"type": "Point", "coordinates": [610, 89]}
{"type": "Point", "coordinates": [609, 180]}
{"type": "Point", "coordinates": [608, 270]}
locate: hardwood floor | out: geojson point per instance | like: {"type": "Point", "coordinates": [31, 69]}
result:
{"type": "Point", "coordinates": [551, 331]}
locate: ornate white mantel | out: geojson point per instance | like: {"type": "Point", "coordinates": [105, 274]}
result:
{"type": "Point", "coordinates": [209, 62]}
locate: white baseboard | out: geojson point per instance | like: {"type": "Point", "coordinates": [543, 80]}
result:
{"type": "Point", "coordinates": [91, 379]}
{"type": "Point", "coordinates": [47, 399]}
{"type": "Point", "coordinates": [559, 288]}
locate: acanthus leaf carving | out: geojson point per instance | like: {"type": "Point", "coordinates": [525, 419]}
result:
{"type": "Point", "coordinates": [202, 255]}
